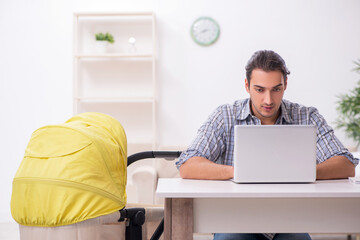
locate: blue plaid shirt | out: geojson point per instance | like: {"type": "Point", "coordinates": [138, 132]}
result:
{"type": "Point", "coordinates": [215, 139]}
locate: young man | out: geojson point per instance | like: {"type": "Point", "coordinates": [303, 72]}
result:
{"type": "Point", "coordinates": [210, 156]}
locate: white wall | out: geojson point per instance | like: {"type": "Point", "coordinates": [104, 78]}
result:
{"type": "Point", "coordinates": [318, 39]}
{"type": "Point", "coordinates": [36, 76]}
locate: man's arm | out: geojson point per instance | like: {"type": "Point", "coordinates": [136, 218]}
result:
{"type": "Point", "coordinates": [202, 168]}
{"type": "Point", "coordinates": [334, 168]}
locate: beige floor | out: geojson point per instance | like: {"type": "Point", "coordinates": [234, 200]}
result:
{"type": "Point", "coordinates": [9, 231]}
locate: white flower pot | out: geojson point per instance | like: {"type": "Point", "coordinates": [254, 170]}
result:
{"type": "Point", "coordinates": [102, 46]}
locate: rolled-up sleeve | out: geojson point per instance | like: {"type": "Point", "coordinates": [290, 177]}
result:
{"type": "Point", "coordinates": [328, 145]}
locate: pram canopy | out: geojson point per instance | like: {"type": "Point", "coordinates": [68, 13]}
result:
{"type": "Point", "coordinates": [71, 172]}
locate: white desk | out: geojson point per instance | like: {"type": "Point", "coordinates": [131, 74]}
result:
{"type": "Point", "coordinates": [205, 206]}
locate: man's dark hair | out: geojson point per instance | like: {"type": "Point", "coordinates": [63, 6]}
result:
{"type": "Point", "coordinates": [267, 61]}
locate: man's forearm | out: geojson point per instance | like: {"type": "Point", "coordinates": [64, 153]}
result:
{"type": "Point", "coordinates": [202, 168]}
{"type": "Point", "coordinates": [335, 168]}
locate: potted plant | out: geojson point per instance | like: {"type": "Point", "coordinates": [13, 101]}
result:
{"type": "Point", "coordinates": [103, 40]}
{"type": "Point", "coordinates": [349, 111]}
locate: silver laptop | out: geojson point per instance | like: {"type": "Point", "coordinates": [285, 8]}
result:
{"type": "Point", "coordinates": [274, 154]}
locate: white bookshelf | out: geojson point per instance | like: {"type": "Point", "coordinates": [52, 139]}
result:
{"type": "Point", "coordinates": [120, 82]}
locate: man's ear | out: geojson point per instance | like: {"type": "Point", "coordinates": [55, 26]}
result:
{"type": "Point", "coordinates": [285, 84]}
{"type": "Point", "coordinates": [247, 85]}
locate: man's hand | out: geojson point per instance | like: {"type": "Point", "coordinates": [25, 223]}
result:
{"type": "Point", "coordinates": [202, 168]}
{"type": "Point", "coordinates": [335, 168]}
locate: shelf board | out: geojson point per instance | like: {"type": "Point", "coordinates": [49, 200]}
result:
{"type": "Point", "coordinates": [92, 14]}
{"type": "Point", "coordinates": [116, 100]}
{"type": "Point", "coordinates": [116, 55]}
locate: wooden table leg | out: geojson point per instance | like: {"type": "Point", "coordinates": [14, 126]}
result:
{"type": "Point", "coordinates": [167, 218]}
{"type": "Point", "coordinates": [178, 219]}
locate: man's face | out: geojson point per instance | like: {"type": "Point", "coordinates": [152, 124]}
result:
{"type": "Point", "coordinates": [266, 91]}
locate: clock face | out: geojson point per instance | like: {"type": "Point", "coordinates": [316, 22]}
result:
{"type": "Point", "coordinates": [205, 31]}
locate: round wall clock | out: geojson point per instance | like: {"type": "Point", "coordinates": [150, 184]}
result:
{"type": "Point", "coordinates": [205, 31]}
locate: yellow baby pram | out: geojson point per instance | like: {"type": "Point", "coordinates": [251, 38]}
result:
{"type": "Point", "coordinates": [74, 174]}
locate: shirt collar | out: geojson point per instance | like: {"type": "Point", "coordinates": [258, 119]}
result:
{"type": "Point", "coordinates": [284, 115]}
{"type": "Point", "coordinates": [245, 112]}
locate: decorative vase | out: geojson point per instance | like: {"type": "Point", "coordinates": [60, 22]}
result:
{"type": "Point", "coordinates": [132, 47]}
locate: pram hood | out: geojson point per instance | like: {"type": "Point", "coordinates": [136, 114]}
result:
{"type": "Point", "coordinates": [71, 172]}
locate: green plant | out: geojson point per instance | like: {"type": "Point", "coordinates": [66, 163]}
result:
{"type": "Point", "coordinates": [349, 111]}
{"type": "Point", "coordinates": [104, 37]}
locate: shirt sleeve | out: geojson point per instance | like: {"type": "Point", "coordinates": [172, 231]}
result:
{"type": "Point", "coordinates": [328, 145]}
{"type": "Point", "coordinates": [209, 142]}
